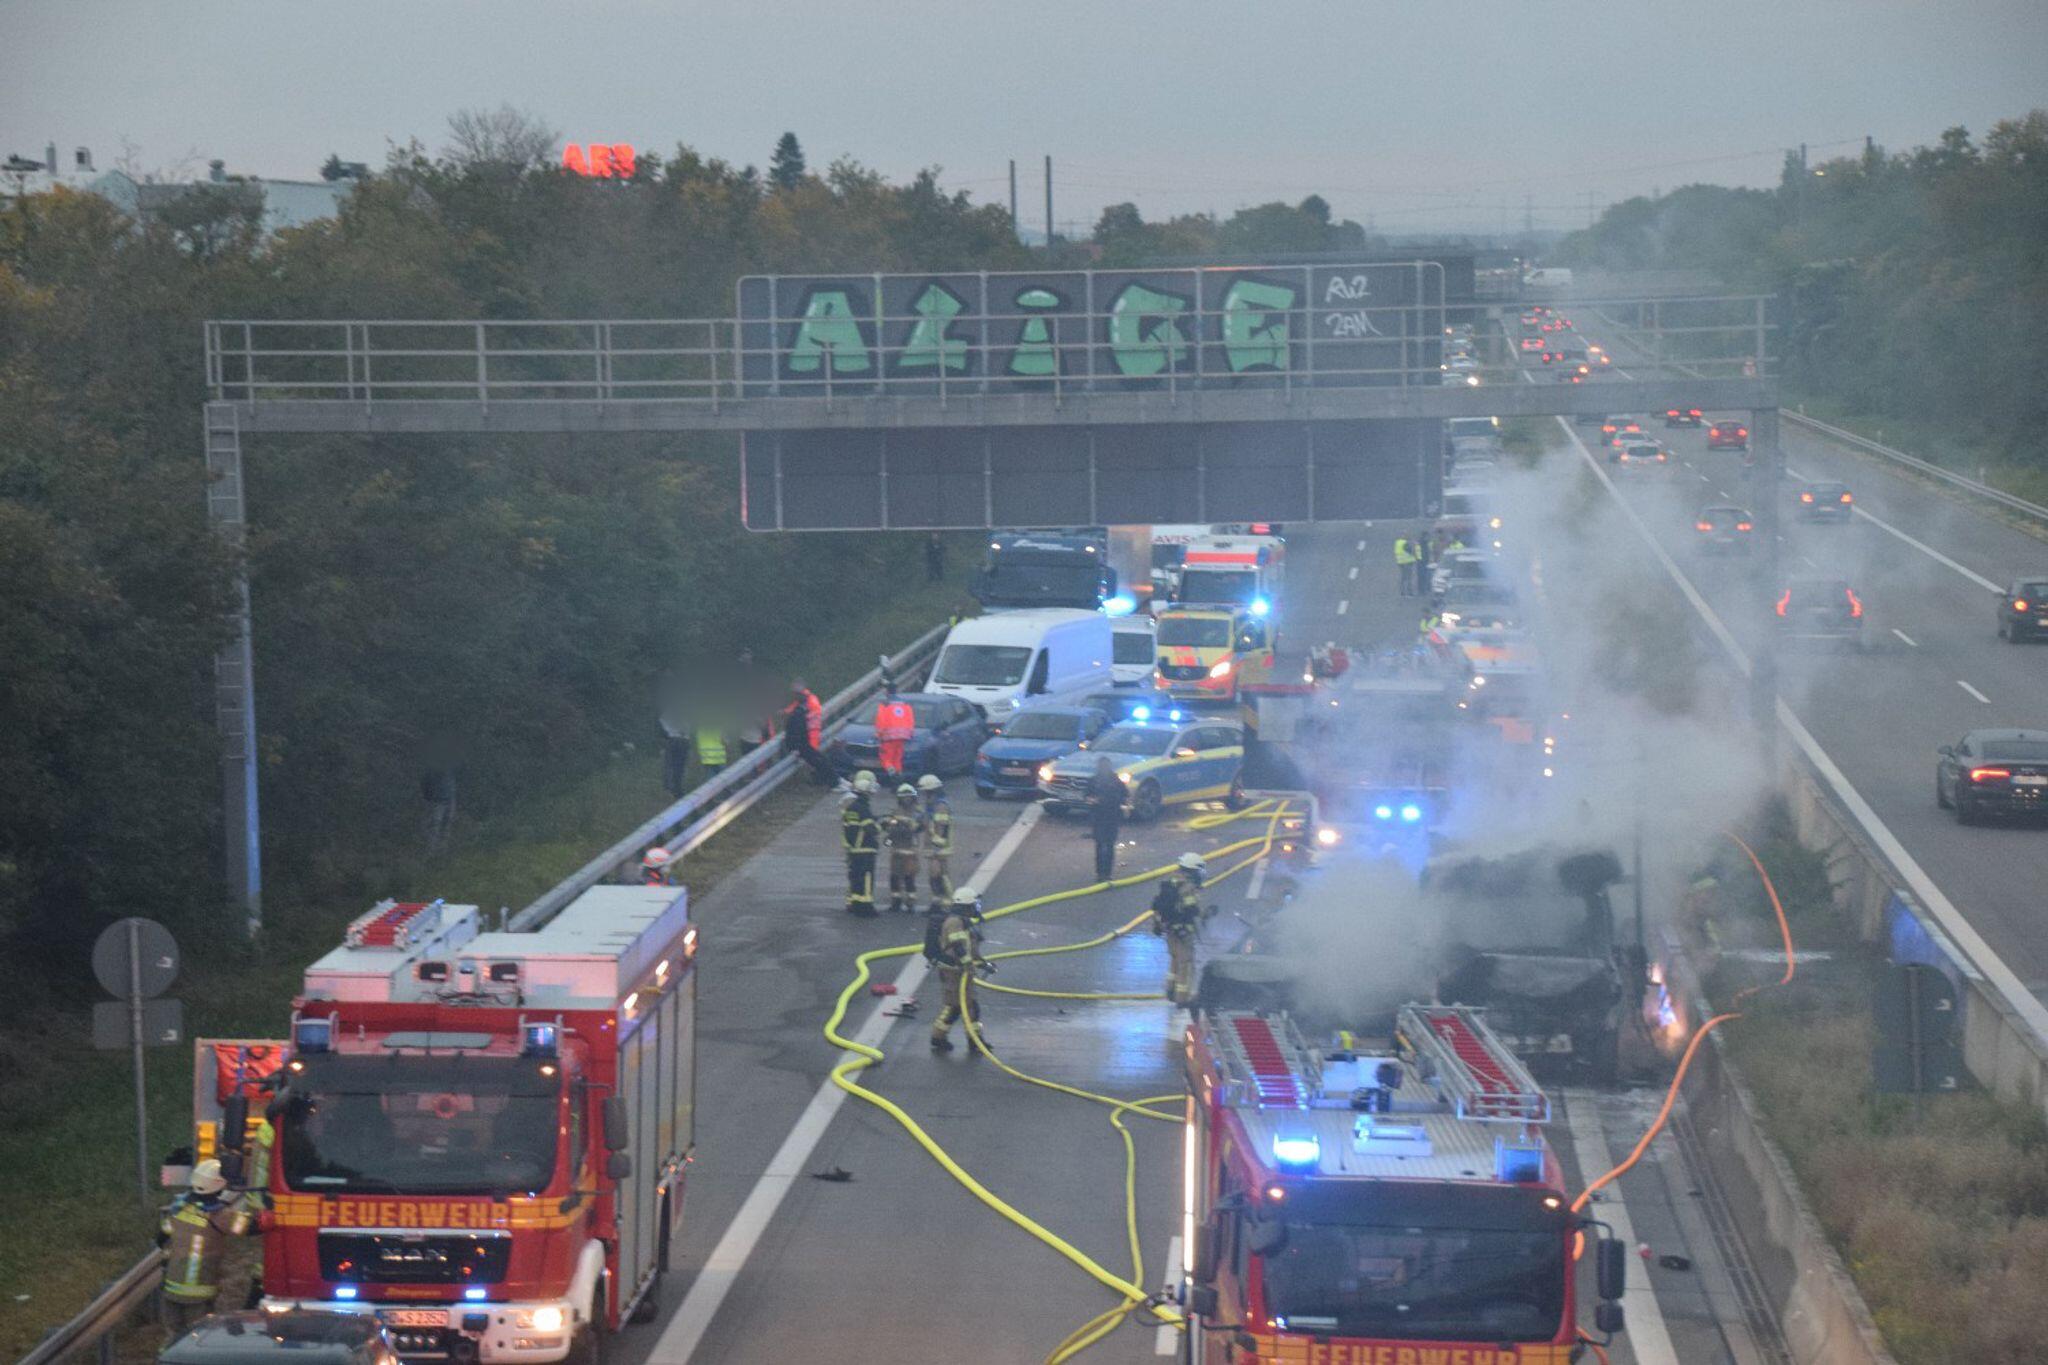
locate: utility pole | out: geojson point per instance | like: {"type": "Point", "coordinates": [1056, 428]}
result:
{"type": "Point", "coordinates": [1048, 203]}
{"type": "Point", "coordinates": [1013, 196]}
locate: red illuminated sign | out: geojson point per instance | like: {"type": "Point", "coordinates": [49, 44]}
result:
{"type": "Point", "coordinates": [605, 160]}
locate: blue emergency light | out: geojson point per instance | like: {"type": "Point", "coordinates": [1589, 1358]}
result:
{"type": "Point", "coordinates": [1411, 812]}
{"type": "Point", "coordinates": [1299, 1152]}
{"type": "Point", "coordinates": [542, 1040]}
{"type": "Point", "coordinates": [475, 1293]}
{"type": "Point", "coordinates": [1383, 812]}
{"type": "Point", "coordinates": [1173, 715]}
{"type": "Point", "coordinates": [344, 1291]}
{"type": "Point", "coordinates": [1120, 605]}
{"type": "Point", "coordinates": [312, 1035]}
{"type": "Point", "coordinates": [1141, 713]}
{"type": "Point", "coordinates": [1515, 1164]}
{"type": "Point", "coordinates": [1260, 606]}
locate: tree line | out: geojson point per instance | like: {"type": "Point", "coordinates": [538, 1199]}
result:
{"type": "Point", "coordinates": [1911, 284]}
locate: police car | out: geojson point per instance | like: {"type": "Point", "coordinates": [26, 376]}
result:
{"type": "Point", "coordinates": [1161, 763]}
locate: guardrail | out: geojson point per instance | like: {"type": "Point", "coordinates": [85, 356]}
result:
{"type": "Point", "coordinates": [101, 1318]}
{"type": "Point", "coordinates": [1934, 471]}
{"type": "Point", "coordinates": [682, 827]}
{"type": "Point", "coordinates": [706, 809]}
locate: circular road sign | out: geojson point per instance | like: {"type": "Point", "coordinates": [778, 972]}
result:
{"type": "Point", "coordinates": [157, 950]}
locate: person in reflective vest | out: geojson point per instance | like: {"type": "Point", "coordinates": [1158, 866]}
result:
{"type": "Point", "coordinates": [938, 840]}
{"type": "Point", "coordinates": [194, 1235]}
{"type": "Point", "coordinates": [861, 836]}
{"type": "Point", "coordinates": [1177, 918]}
{"type": "Point", "coordinates": [710, 750]}
{"type": "Point", "coordinates": [953, 943]}
{"type": "Point", "coordinates": [895, 723]}
{"type": "Point", "coordinates": [803, 730]}
{"type": "Point", "coordinates": [903, 833]}
{"type": "Point", "coordinates": [1405, 560]}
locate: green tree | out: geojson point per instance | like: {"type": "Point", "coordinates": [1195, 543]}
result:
{"type": "Point", "coordinates": [786, 166]}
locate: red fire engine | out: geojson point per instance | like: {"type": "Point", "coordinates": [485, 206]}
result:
{"type": "Point", "coordinates": [1376, 1207]}
{"type": "Point", "coordinates": [482, 1137]}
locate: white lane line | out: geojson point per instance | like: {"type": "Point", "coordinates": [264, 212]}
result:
{"type": "Point", "coordinates": [1907, 638]}
{"type": "Point", "coordinates": [1361, 545]}
{"type": "Point", "coordinates": [1807, 560]}
{"type": "Point", "coordinates": [1937, 556]}
{"type": "Point", "coordinates": [1649, 1339]}
{"type": "Point", "coordinates": [1166, 1337]}
{"type": "Point", "coordinates": [679, 1340]}
{"type": "Point", "coordinates": [1973, 692]}
{"type": "Point", "coordinates": [1344, 606]}
{"type": "Point", "coordinates": [1353, 573]}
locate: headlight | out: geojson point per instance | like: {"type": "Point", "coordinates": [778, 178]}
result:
{"type": "Point", "coordinates": [1124, 777]}
{"type": "Point", "coordinates": [545, 1319]}
{"type": "Point", "coordinates": [1327, 837]}
{"type": "Point", "coordinates": [1222, 669]}
{"type": "Point", "coordinates": [1045, 772]}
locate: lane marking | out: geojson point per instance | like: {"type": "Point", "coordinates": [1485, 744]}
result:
{"type": "Point", "coordinates": [1973, 692]}
{"type": "Point", "coordinates": [680, 1338]}
{"type": "Point", "coordinates": [1166, 1337]}
{"type": "Point", "coordinates": [1344, 606]}
{"type": "Point", "coordinates": [1353, 573]}
{"type": "Point", "coordinates": [1361, 545]}
{"type": "Point", "coordinates": [1937, 556]}
{"type": "Point", "coordinates": [1907, 638]}
{"type": "Point", "coordinates": [1649, 1340]}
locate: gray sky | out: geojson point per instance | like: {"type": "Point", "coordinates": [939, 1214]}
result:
{"type": "Point", "coordinates": [1418, 115]}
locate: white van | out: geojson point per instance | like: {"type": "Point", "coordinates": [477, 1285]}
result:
{"type": "Point", "coordinates": [1136, 649]}
{"type": "Point", "coordinates": [1006, 658]}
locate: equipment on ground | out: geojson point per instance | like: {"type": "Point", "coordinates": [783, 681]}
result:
{"type": "Point", "coordinates": [1396, 1201]}
{"type": "Point", "coordinates": [482, 1138]}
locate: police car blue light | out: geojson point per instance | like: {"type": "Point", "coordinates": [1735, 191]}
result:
{"type": "Point", "coordinates": [1296, 1152]}
{"type": "Point", "coordinates": [344, 1291]}
{"type": "Point", "coordinates": [1120, 605]}
{"type": "Point", "coordinates": [1383, 812]}
{"type": "Point", "coordinates": [1260, 606]}
{"type": "Point", "coordinates": [1141, 713]}
{"type": "Point", "coordinates": [1411, 812]}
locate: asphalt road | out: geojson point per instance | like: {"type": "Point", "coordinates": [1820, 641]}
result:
{"type": "Point", "coordinates": [898, 1262]}
{"type": "Point", "coordinates": [1929, 569]}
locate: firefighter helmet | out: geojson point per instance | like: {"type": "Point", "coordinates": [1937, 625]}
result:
{"type": "Point", "coordinates": [656, 857]}
{"type": "Point", "coordinates": [864, 782]}
{"type": "Point", "coordinates": [207, 1179]}
{"type": "Point", "coordinates": [1195, 863]}
{"type": "Point", "coordinates": [967, 901]}
{"type": "Point", "coordinates": [930, 783]}
{"type": "Point", "coordinates": [906, 792]}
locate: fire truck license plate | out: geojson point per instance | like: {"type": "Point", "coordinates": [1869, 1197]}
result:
{"type": "Point", "coordinates": [414, 1317]}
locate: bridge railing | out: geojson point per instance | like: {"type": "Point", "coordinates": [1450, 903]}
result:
{"type": "Point", "coordinates": [715, 361]}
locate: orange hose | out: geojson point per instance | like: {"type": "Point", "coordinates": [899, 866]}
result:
{"type": "Point", "coordinates": [1699, 1036]}
{"type": "Point", "coordinates": [1598, 1349]}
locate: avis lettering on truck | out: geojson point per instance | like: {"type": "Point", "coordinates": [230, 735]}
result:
{"type": "Point", "coordinates": [1369, 1204]}
{"type": "Point", "coordinates": [481, 1138]}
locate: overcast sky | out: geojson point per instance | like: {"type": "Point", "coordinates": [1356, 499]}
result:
{"type": "Point", "coordinates": [1410, 114]}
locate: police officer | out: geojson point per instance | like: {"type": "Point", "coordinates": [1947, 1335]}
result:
{"type": "Point", "coordinates": [861, 836]}
{"type": "Point", "coordinates": [953, 943]}
{"type": "Point", "coordinates": [938, 840]}
{"type": "Point", "coordinates": [1177, 917]}
{"type": "Point", "coordinates": [194, 1235]}
{"type": "Point", "coordinates": [903, 832]}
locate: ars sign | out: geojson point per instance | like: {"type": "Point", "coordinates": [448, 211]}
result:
{"type": "Point", "coordinates": [603, 160]}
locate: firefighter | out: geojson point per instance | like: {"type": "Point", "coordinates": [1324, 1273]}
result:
{"type": "Point", "coordinates": [1177, 917]}
{"type": "Point", "coordinates": [654, 866]}
{"type": "Point", "coordinates": [938, 840]}
{"type": "Point", "coordinates": [953, 944]}
{"type": "Point", "coordinates": [861, 836]}
{"type": "Point", "coordinates": [194, 1235]}
{"type": "Point", "coordinates": [895, 723]}
{"type": "Point", "coordinates": [903, 835]}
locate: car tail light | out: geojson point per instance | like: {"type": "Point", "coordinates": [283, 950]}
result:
{"type": "Point", "coordinates": [1744, 526]}
{"type": "Point", "coordinates": [1784, 601]}
{"type": "Point", "coordinates": [1855, 605]}
{"type": "Point", "coordinates": [2019, 604]}
{"type": "Point", "coordinates": [1846, 499]}
{"type": "Point", "coordinates": [1990, 774]}
{"type": "Point", "coordinates": [1672, 413]}
{"type": "Point", "coordinates": [1806, 497]}
{"type": "Point", "coordinates": [1742, 431]}
{"type": "Point", "coordinates": [1703, 525]}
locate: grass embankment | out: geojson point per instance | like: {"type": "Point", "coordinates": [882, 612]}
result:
{"type": "Point", "coordinates": [67, 1126]}
{"type": "Point", "coordinates": [1940, 1215]}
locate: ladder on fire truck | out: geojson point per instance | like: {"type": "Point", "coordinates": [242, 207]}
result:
{"type": "Point", "coordinates": [1264, 1061]}
{"type": "Point", "coordinates": [1477, 1072]}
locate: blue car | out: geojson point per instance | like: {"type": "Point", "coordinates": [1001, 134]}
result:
{"type": "Point", "coordinates": [948, 731]}
{"type": "Point", "coordinates": [1008, 763]}
{"type": "Point", "coordinates": [1134, 703]}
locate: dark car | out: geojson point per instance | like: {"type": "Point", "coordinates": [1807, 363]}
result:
{"type": "Point", "coordinates": [1008, 763]}
{"type": "Point", "coordinates": [1993, 772]}
{"type": "Point", "coordinates": [1684, 417]}
{"type": "Point", "coordinates": [1727, 436]}
{"type": "Point", "coordinates": [1134, 703]}
{"type": "Point", "coordinates": [947, 734]}
{"type": "Point", "coordinates": [297, 1336]}
{"type": "Point", "coordinates": [1725, 530]}
{"type": "Point", "coordinates": [1820, 609]}
{"type": "Point", "coordinates": [1823, 502]}
{"type": "Point", "coordinates": [2023, 610]}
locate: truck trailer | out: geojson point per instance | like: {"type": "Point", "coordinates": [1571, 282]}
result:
{"type": "Point", "coordinates": [480, 1137]}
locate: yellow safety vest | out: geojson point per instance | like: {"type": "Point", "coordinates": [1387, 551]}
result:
{"type": "Point", "coordinates": [1404, 553]}
{"type": "Point", "coordinates": [711, 747]}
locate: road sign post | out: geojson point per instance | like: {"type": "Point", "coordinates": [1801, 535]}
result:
{"type": "Point", "coordinates": [137, 960]}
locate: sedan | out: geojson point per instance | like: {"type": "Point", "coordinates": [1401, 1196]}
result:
{"type": "Point", "coordinates": [1684, 417]}
{"type": "Point", "coordinates": [1820, 609]}
{"type": "Point", "coordinates": [2023, 610]}
{"type": "Point", "coordinates": [1008, 763]}
{"type": "Point", "coordinates": [1823, 502]}
{"type": "Point", "coordinates": [1993, 772]}
{"type": "Point", "coordinates": [1619, 430]}
{"type": "Point", "coordinates": [1643, 457]}
{"type": "Point", "coordinates": [1725, 530]}
{"type": "Point", "coordinates": [1160, 763]}
{"type": "Point", "coordinates": [1727, 436]}
{"type": "Point", "coordinates": [947, 734]}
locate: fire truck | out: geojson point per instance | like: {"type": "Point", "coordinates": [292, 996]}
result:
{"type": "Point", "coordinates": [480, 1137]}
{"type": "Point", "coordinates": [1376, 1206]}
